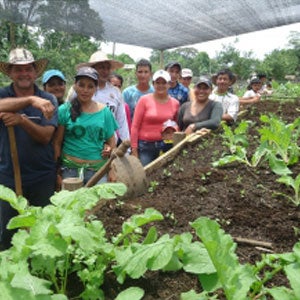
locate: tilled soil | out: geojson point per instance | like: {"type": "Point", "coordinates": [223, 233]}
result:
{"type": "Point", "coordinates": [242, 199]}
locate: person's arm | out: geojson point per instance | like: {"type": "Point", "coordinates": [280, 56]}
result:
{"type": "Point", "coordinates": [122, 120]}
{"type": "Point", "coordinates": [14, 104]}
{"type": "Point", "coordinates": [233, 109]}
{"type": "Point", "coordinates": [136, 124]}
{"type": "Point", "coordinates": [41, 134]}
{"type": "Point", "coordinates": [180, 117]}
{"type": "Point", "coordinates": [58, 140]}
{"type": "Point", "coordinates": [250, 100]}
{"type": "Point", "coordinates": [215, 118]}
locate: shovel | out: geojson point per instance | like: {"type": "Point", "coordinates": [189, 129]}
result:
{"type": "Point", "coordinates": [15, 160]}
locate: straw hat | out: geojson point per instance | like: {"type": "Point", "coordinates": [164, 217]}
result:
{"type": "Point", "coordinates": [98, 57]}
{"type": "Point", "coordinates": [21, 56]}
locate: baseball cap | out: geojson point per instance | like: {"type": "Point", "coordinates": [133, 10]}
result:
{"type": "Point", "coordinates": [52, 73]}
{"type": "Point", "coordinates": [173, 64]}
{"type": "Point", "coordinates": [162, 74]}
{"type": "Point", "coordinates": [186, 73]}
{"type": "Point", "coordinates": [205, 81]}
{"type": "Point", "coordinates": [255, 80]}
{"type": "Point", "coordinates": [170, 124]}
{"type": "Point", "coordinates": [87, 72]}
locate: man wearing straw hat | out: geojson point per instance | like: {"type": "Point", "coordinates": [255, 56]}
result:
{"type": "Point", "coordinates": [28, 118]}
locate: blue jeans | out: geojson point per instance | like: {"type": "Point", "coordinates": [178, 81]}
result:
{"type": "Point", "coordinates": [148, 151]}
{"type": "Point", "coordinates": [87, 174]}
{"type": "Point", "coordinates": [37, 194]}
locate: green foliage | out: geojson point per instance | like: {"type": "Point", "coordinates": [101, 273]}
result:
{"type": "Point", "coordinates": [244, 281]}
{"type": "Point", "coordinates": [294, 184]}
{"type": "Point", "coordinates": [280, 141]}
{"type": "Point", "coordinates": [63, 241]}
{"type": "Point", "coordinates": [278, 144]}
{"type": "Point", "coordinates": [237, 142]}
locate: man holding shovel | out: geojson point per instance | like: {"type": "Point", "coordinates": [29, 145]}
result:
{"type": "Point", "coordinates": [28, 118]}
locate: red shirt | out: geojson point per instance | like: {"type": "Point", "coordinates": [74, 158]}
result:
{"type": "Point", "coordinates": [149, 116]}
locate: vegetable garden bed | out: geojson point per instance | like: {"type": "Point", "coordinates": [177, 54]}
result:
{"type": "Point", "coordinates": [242, 199]}
{"type": "Point", "coordinates": [245, 177]}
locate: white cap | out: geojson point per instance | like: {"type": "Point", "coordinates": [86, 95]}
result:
{"type": "Point", "coordinates": [162, 74]}
{"type": "Point", "coordinates": [186, 73]}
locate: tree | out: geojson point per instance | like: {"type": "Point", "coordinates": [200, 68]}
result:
{"type": "Point", "coordinates": [242, 64]}
{"type": "Point", "coordinates": [280, 63]}
{"type": "Point", "coordinates": [71, 16]}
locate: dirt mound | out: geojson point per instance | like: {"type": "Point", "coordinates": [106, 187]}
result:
{"type": "Point", "coordinates": [241, 199]}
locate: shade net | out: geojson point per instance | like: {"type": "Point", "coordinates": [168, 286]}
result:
{"type": "Point", "coordinates": [154, 24]}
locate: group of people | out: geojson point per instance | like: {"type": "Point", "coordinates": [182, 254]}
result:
{"type": "Point", "coordinates": [62, 134]}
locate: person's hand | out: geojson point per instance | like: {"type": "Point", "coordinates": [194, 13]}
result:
{"type": "Point", "coordinates": [10, 119]}
{"type": "Point", "coordinates": [190, 129]}
{"type": "Point", "coordinates": [106, 152]}
{"type": "Point", "coordinates": [134, 152]}
{"type": "Point", "coordinates": [45, 106]}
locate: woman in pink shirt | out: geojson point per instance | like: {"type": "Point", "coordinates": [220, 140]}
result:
{"type": "Point", "coordinates": [151, 112]}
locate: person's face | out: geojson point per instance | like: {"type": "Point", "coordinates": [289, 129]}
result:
{"type": "Point", "coordinates": [186, 81]}
{"type": "Point", "coordinates": [116, 82]}
{"type": "Point", "coordinates": [104, 69]}
{"type": "Point", "coordinates": [56, 86]}
{"type": "Point", "coordinates": [223, 82]}
{"type": "Point", "coordinates": [85, 88]}
{"type": "Point", "coordinates": [161, 86]}
{"type": "Point", "coordinates": [202, 92]}
{"type": "Point", "coordinates": [143, 74]}
{"type": "Point", "coordinates": [174, 73]}
{"type": "Point", "coordinates": [168, 133]}
{"type": "Point", "coordinates": [23, 76]}
{"type": "Point", "coordinates": [256, 87]}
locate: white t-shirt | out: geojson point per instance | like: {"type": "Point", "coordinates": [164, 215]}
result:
{"type": "Point", "coordinates": [230, 103]}
{"type": "Point", "coordinates": [112, 97]}
{"type": "Point", "coordinates": [250, 94]}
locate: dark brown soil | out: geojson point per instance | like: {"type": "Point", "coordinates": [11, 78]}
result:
{"type": "Point", "coordinates": [240, 198]}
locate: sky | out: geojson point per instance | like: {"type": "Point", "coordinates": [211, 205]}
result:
{"type": "Point", "coordinates": [260, 42]}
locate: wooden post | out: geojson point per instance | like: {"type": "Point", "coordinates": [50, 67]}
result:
{"type": "Point", "coordinates": [71, 184]}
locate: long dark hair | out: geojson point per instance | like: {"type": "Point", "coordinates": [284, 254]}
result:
{"type": "Point", "coordinates": [76, 109]}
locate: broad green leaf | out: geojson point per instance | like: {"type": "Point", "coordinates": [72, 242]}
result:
{"type": "Point", "coordinates": [236, 279]}
{"type": "Point", "coordinates": [19, 203]}
{"type": "Point", "coordinates": [192, 295]}
{"type": "Point", "coordinates": [151, 236]}
{"type": "Point", "coordinates": [282, 293]}
{"type": "Point", "coordinates": [31, 283]}
{"type": "Point", "coordinates": [196, 259]}
{"type": "Point", "coordinates": [132, 293]}
{"type": "Point", "coordinates": [25, 220]}
{"type": "Point", "coordinates": [150, 256]}
{"type": "Point", "coordinates": [278, 166]}
{"type": "Point", "coordinates": [293, 274]}
{"type": "Point", "coordinates": [174, 264]}
{"type": "Point", "coordinates": [210, 282]}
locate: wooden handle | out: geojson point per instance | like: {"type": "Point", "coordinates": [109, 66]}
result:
{"type": "Point", "coordinates": [120, 152]}
{"type": "Point", "coordinates": [15, 160]}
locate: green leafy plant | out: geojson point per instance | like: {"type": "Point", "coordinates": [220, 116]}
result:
{"type": "Point", "coordinates": [240, 281]}
{"type": "Point", "coordinates": [153, 185]}
{"type": "Point", "coordinates": [280, 141]}
{"type": "Point", "coordinates": [294, 184]}
{"type": "Point", "coordinates": [237, 142]}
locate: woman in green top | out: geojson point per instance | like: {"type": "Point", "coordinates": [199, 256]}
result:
{"type": "Point", "coordinates": [85, 135]}
{"type": "Point", "coordinates": [201, 112]}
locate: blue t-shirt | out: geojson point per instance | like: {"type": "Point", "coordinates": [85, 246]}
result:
{"type": "Point", "coordinates": [36, 160]}
{"type": "Point", "coordinates": [131, 96]}
{"type": "Point", "coordinates": [179, 92]}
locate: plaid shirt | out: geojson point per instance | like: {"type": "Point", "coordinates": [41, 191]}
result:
{"type": "Point", "coordinates": [179, 92]}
